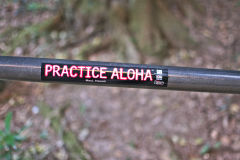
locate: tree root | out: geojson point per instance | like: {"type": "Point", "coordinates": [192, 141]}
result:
{"type": "Point", "coordinates": [31, 32]}
{"type": "Point", "coordinates": [74, 147]}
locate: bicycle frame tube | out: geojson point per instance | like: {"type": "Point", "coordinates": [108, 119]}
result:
{"type": "Point", "coordinates": [119, 74]}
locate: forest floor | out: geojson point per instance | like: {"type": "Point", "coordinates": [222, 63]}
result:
{"type": "Point", "coordinates": [138, 124]}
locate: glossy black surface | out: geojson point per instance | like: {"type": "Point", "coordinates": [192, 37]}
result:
{"type": "Point", "coordinates": [179, 78]}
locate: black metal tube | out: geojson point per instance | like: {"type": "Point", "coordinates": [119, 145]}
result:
{"type": "Point", "coordinates": [163, 77]}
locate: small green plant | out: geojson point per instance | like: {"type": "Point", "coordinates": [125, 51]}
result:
{"type": "Point", "coordinates": [9, 140]}
{"type": "Point", "coordinates": [34, 6]}
{"type": "Point", "coordinates": [208, 148]}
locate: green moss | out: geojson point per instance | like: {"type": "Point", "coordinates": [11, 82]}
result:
{"type": "Point", "coordinates": [27, 34]}
{"type": "Point", "coordinates": [74, 147]}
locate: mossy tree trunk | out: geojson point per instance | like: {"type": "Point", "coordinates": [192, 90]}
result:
{"type": "Point", "coordinates": [151, 25]}
{"type": "Point", "coordinates": [135, 27]}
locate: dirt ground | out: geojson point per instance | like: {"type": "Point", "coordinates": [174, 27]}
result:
{"type": "Point", "coordinates": [140, 124]}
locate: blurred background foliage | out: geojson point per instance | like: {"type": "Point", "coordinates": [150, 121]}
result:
{"type": "Point", "coordinates": [134, 28]}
